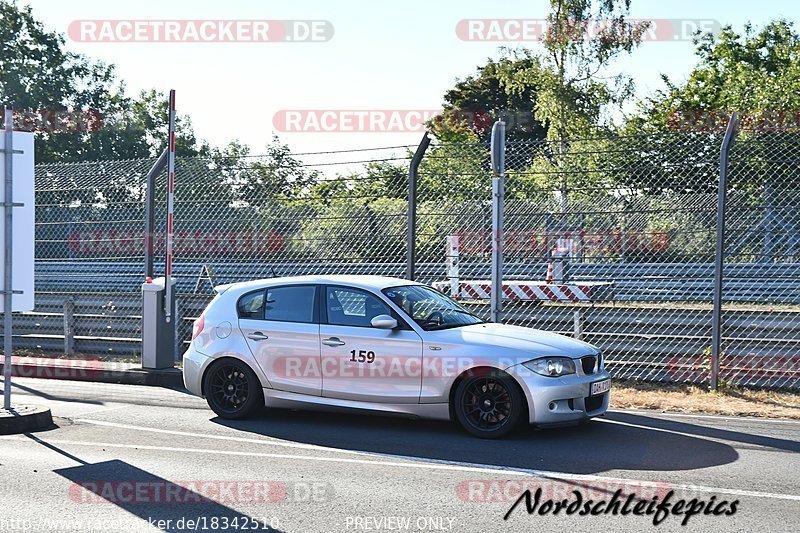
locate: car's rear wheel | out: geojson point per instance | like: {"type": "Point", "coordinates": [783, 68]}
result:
{"type": "Point", "coordinates": [488, 404]}
{"type": "Point", "coordinates": [232, 389]}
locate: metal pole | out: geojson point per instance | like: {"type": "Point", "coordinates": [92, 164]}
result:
{"type": "Point", "coordinates": [69, 326]}
{"type": "Point", "coordinates": [716, 321]}
{"type": "Point", "coordinates": [411, 235]}
{"type": "Point", "coordinates": [8, 289]}
{"type": "Point", "coordinates": [150, 211]}
{"type": "Point", "coordinates": [498, 149]}
{"type": "Point", "coordinates": [170, 208]}
{"type": "Point", "coordinates": [577, 323]}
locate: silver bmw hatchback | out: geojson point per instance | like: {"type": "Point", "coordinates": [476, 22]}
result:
{"type": "Point", "coordinates": [386, 346]}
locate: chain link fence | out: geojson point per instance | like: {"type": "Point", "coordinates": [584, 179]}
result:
{"type": "Point", "coordinates": [761, 286]}
{"type": "Point", "coordinates": [628, 225]}
{"type": "Point", "coordinates": [238, 218]}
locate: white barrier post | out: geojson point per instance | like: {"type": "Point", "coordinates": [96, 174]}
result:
{"type": "Point", "coordinates": [17, 239]}
{"type": "Point", "coordinates": [451, 258]}
{"type": "Point", "coordinates": [8, 288]}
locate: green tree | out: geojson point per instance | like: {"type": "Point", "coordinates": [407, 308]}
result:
{"type": "Point", "coordinates": [479, 99]}
{"type": "Point", "coordinates": [575, 87]}
{"type": "Point", "coordinates": [40, 77]}
{"type": "Point", "coordinates": [276, 175]}
{"type": "Point", "coordinates": [573, 78]}
{"type": "Point", "coordinates": [756, 73]}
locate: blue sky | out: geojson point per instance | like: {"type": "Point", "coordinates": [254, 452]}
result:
{"type": "Point", "coordinates": [384, 55]}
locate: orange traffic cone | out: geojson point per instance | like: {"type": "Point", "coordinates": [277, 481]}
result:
{"type": "Point", "coordinates": [549, 277]}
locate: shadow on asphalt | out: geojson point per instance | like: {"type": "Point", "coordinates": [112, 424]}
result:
{"type": "Point", "coordinates": [48, 396]}
{"type": "Point", "coordinates": [152, 498]}
{"type": "Point", "coordinates": [591, 448]}
{"type": "Point", "coordinates": [706, 431]}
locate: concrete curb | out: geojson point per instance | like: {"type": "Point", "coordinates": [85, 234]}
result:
{"type": "Point", "coordinates": [25, 419]}
{"type": "Point", "coordinates": [95, 371]}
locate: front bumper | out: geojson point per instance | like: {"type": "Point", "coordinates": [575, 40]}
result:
{"type": "Point", "coordinates": [560, 401]}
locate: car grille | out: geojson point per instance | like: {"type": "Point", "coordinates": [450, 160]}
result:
{"type": "Point", "coordinates": [588, 364]}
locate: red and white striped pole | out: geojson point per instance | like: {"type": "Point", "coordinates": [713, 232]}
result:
{"type": "Point", "coordinates": [549, 277]}
{"type": "Point", "coordinates": [170, 206]}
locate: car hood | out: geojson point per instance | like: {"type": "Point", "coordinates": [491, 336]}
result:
{"type": "Point", "coordinates": [533, 342]}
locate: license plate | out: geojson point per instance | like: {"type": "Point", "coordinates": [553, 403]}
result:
{"type": "Point", "coordinates": [599, 387]}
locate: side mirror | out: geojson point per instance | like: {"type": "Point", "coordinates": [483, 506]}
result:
{"type": "Point", "coordinates": [383, 322]}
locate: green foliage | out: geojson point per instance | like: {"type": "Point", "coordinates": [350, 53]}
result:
{"type": "Point", "coordinates": [356, 229]}
{"type": "Point", "coordinates": [455, 170]}
{"type": "Point", "coordinates": [570, 97]}
{"type": "Point", "coordinates": [40, 77]}
{"type": "Point", "coordinates": [278, 175]}
{"type": "Point", "coordinates": [358, 216]}
{"type": "Point", "coordinates": [383, 179]}
{"type": "Point", "coordinates": [756, 73]}
{"type": "Point", "coordinates": [472, 106]}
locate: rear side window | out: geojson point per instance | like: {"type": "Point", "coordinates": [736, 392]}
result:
{"type": "Point", "coordinates": [290, 304]}
{"type": "Point", "coordinates": [252, 305]}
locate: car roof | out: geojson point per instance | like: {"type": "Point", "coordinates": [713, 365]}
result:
{"type": "Point", "coordinates": [365, 282]}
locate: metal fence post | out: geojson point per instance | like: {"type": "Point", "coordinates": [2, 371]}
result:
{"type": "Point", "coordinates": [150, 211]}
{"type": "Point", "coordinates": [179, 324]}
{"type": "Point", "coordinates": [411, 232]}
{"type": "Point", "coordinates": [69, 326]}
{"type": "Point", "coordinates": [498, 150]}
{"type": "Point", "coordinates": [577, 323]}
{"type": "Point", "coordinates": [716, 321]}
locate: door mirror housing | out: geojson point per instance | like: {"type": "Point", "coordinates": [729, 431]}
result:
{"type": "Point", "coordinates": [383, 322]}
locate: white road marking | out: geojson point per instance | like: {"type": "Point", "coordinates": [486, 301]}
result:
{"type": "Point", "coordinates": [413, 462]}
{"type": "Point", "coordinates": [273, 441]}
{"type": "Point", "coordinates": [670, 431]}
{"type": "Point", "coordinates": [646, 412]}
{"type": "Point", "coordinates": [685, 434]}
{"type": "Point", "coordinates": [102, 410]}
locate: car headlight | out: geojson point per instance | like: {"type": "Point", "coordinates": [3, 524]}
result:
{"type": "Point", "coordinates": [551, 366]}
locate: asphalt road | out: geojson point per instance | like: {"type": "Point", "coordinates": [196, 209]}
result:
{"type": "Point", "coordinates": [125, 457]}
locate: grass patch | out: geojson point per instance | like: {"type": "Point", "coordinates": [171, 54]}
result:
{"type": "Point", "coordinates": [686, 398]}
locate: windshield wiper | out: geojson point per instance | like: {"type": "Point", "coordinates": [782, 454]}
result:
{"type": "Point", "coordinates": [462, 311]}
{"type": "Point", "coordinates": [446, 326]}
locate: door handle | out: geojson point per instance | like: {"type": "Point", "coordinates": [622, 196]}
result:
{"type": "Point", "coordinates": [257, 336]}
{"type": "Point", "coordinates": [333, 341]}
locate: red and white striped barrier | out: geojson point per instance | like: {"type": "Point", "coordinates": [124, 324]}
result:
{"type": "Point", "coordinates": [170, 205]}
{"type": "Point", "coordinates": [531, 291]}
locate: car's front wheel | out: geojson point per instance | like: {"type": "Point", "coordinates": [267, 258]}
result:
{"type": "Point", "coordinates": [488, 404]}
{"type": "Point", "coordinates": [232, 389]}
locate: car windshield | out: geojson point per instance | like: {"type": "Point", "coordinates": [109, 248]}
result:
{"type": "Point", "coordinates": [429, 308]}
